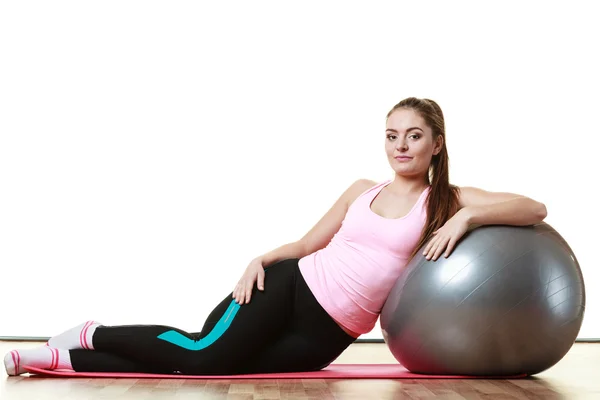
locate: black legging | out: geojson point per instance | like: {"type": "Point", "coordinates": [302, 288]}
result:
{"type": "Point", "coordinates": [282, 329]}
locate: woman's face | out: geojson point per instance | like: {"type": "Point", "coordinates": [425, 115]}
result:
{"type": "Point", "coordinates": [409, 143]}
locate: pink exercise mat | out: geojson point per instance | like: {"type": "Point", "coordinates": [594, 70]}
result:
{"type": "Point", "coordinates": [334, 371]}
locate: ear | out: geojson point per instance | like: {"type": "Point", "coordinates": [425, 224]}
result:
{"type": "Point", "coordinates": [438, 144]}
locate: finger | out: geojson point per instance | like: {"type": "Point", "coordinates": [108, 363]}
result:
{"type": "Point", "coordinates": [451, 245]}
{"type": "Point", "coordinates": [240, 294]}
{"type": "Point", "coordinates": [435, 249]}
{"type": "Point", "coordinates": [247, 289]}
{"type": "Point", "coordinates": [261, 280]}
{"type": "Point", "coordinates": [435, 253]}
{"type": "Point", "coordinates": [428, 247]}
{"type": "Point", "coordinates": [248, 295]}
{"type": "Point", "coordinates": [427, 250]}
{"type": "Point", "coordinates": [440, 249]}
{"type": "Point", "coordinates": [431, 250]}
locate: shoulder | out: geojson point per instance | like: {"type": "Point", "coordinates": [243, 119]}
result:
{"type": "Point", "coordinates": [468, 195]}
{"type": "Point", "coordinates": [464, 193]}
{"type": "Point", "coordinates": [366, 183]}
{"type": "Point", "coordinates": [362, 185]}
{"type": "Point", "coordinates": [357, 188]}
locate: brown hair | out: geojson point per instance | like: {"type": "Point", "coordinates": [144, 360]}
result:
{"type": "Point", "coordinates": [443, 199]}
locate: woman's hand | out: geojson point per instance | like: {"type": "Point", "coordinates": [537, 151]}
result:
{"type": "Point", "coordinates": [447, 236]}
{"type": "Point", "coordinates": [255, 273]}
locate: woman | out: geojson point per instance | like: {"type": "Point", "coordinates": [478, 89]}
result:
{"type": "Point", "coordinates": [298, 307]}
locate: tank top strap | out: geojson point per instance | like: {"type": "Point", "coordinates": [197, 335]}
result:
{"type": "Point", "coordinates": [372, 191]}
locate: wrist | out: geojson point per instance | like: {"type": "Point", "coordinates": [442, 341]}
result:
{"type": "Point", "coordinates": [469, 214]}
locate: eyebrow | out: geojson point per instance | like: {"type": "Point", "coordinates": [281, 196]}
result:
{"type": "Point", "coordinates": [408, 130]}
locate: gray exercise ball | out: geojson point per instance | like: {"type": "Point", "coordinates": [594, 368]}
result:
{"type": "Point", "coordinates": [508, 301]}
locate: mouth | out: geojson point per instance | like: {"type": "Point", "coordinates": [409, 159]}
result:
{"type": "Point", "coordinates": [403, 158]}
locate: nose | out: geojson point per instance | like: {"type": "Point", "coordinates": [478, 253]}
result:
{"type": "Point", "coordinates": [401, 145]}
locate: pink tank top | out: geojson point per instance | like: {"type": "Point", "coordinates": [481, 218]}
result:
{"type": "Point", "coordinates": [352, 276]}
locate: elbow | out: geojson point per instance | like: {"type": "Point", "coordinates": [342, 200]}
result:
{"type": "Point", "coordinates": [541, 212]}
{"type": "Point", "coordinates": [303, 248]}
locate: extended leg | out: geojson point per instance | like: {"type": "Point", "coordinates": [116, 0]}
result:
{"type": "Point", "coordinates": [240, 334]}
{"type": "Point", "coordinates": [99, 361]}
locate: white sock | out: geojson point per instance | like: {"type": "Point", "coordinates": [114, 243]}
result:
{"type": "Point", "coordinates": [44, 357]}
{"type": "Point", "coordinates": [79, 337]}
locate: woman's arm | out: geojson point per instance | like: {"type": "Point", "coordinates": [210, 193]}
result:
{"type": "Point", "coordinates": [324, 230]}
{"type": "Point", "coordinates": [482, 207]}
{"type": "Point", "coordinates": [317, 238]}
{"type": "Point", "coordinates": [287, 251]}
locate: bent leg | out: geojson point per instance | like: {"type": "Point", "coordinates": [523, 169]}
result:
{"type": "Point", "coordinates": [297, 353]}
{"type": "Point", "coordinates": [312, 341]}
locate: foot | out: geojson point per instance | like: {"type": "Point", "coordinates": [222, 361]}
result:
{"type": "Point", "coordinates": [12, 363]}
{"type": "Point", "coordinates": [44, 357]}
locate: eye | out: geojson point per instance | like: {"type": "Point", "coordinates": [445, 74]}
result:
{"type": "Point", "coordinates": [415, 136]}
{"type": "Point", "coordinates": [390, 136]}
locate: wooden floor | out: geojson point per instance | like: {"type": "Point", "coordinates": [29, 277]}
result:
{"type": "Point", "coordinates": [577, 376]}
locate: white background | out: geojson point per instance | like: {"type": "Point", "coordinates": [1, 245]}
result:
{"type": "Point", "coordinates": [149, 150]}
